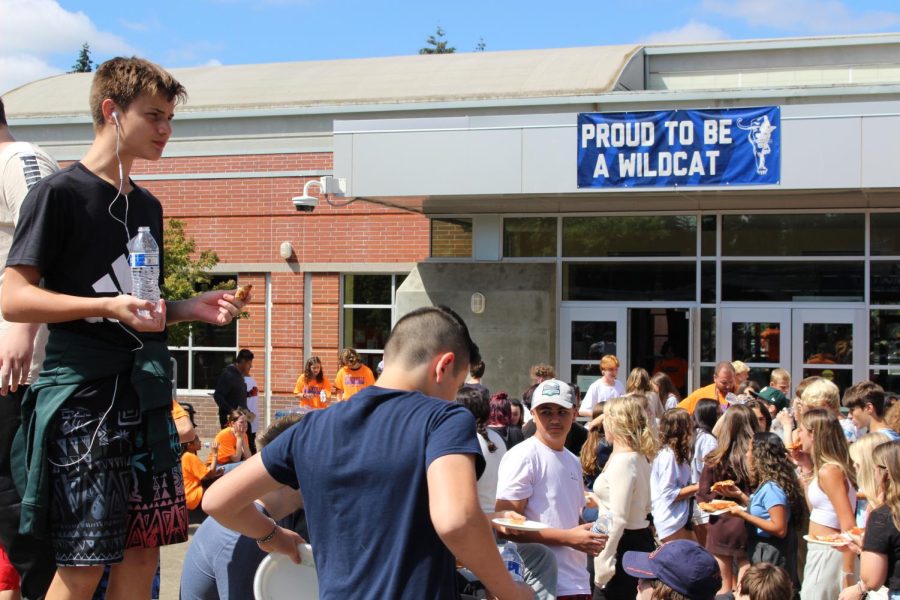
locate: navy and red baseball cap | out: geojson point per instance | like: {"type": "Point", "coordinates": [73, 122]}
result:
{"type": "Point", "coordinates": [683, 565]}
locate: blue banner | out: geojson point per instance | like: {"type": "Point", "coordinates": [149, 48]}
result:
{"type": "Point", "coordinates": [732, 146]}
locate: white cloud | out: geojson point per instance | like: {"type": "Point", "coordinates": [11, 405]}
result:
{"type": "Point", "coordinates": [805, 16]}
{"type": "Point", "coordinates": [19, 69]}
{"type": "Point", "coordinates": [192, 53]}
{"type": "Point", "coordinates": [39, 27]}
{"type": "Point", "coordinates": [213, 62]}
{"type": "Point", "coordinates": [140, 26]}
{"type": "Point", "coordinates": [692, 31]}
{"type": "Point", "coordinates": [34, 32]}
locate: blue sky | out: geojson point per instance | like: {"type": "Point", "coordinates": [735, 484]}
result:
{"type": "Point", "coordinates": [39, 38]}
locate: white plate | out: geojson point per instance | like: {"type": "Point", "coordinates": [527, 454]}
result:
{"type": "Point", "coordinates": [277, 578]}
{"type": "Point", "coordinates": [723, 511]}
{"type": "Point", "coordinates": [526, 526]}
{"type": "Point", "coordinates": [813, 540]}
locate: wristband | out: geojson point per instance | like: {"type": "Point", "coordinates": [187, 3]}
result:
{"type": "Point", "coordinates": [268, 538]}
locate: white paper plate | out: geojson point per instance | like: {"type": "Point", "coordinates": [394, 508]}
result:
{"type": "Point", "coordinates": [813, 540]}
{"type": "Point", "coordinates": [723, 511]}
{"type": "Point", "coordinates": [526, 526]}
{"type": "Point", "coordinates": [278, 578]}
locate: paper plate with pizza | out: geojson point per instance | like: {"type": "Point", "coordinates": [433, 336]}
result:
{"type": "Point", "coordinates": [719, 507]}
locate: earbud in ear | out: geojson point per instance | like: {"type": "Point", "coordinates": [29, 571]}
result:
{"type": "Point", "coordinates": [115, 117]}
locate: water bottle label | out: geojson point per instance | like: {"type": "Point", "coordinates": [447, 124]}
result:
{"type": "Point", "coordinates": [141, 259]}
{"type": "Point", "coordinates": [515, 569]}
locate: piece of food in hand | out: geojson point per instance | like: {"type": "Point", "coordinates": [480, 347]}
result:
{"type": "Point", "coordinates": [716, 505]}
{"type": "Point", "coordinates": [518, 520]}
{"type": "Point", "coordinates": [725, 483]}
{"type": "Point", "coordinates": [242, 292]}
{"type": "Point", "coordinates": [831, 538]}
{"type": "Point", "coordinates": [792, 447]}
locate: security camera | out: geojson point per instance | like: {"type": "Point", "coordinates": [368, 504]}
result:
{"type": "Point", "coordinates": [305, 203]}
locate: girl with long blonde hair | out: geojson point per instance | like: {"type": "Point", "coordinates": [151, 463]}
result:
{"type": "Point", "coordinates": [638, 384]}
{"type": "Point", "coordinates": [881, 541]}
{"type": "Point", "coordinates": [623, 492]}
{"type": "Point", "coordinates": [831, 493]}
{"type": "Point", "coordinates": [726, 535]}
{"type": "Point", "coordinates": [867, 479]}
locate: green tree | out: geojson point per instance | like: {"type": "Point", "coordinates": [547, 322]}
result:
{"type": "Point", "coordinates": [184, 274]}
{"type": "Point", "coordinates": [84, 64]}
{"type": "Point", "coordinates": [437, 44]}
{"type": "Point", "coordinates": [481, 45]}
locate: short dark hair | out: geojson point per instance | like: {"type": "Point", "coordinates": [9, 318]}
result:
{"type": "Point", "coordinates": [244, 355]}
{"type": "Point", "coordinates": [420, 335]}
{"type": "Point", "coordinates": [477, 369]}
{"type": "Point", "coordinates": [3, 122]}
{"type": "Point", "coordinates": [862, 393]}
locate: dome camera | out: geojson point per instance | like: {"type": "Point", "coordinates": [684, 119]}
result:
{"type": "Point", "coordinates": [305, 203]}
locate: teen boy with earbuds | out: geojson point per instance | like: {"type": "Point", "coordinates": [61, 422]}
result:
{"type": "Point", "coordinates": [97, 420]}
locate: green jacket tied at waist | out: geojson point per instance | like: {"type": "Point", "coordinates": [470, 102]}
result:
{"type": "Point", "coordinates": [71, 361]}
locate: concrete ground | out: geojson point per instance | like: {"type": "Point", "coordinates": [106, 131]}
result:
{"type": "Point", "coordinates": [171, 558]}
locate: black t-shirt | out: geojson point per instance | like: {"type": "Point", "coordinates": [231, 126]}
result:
{"type": "Point", "coordinates": [65, 230]}
{"type": "Point", "coordinates": [882, 537]}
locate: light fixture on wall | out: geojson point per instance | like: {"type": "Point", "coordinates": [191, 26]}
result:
{"type": "Point", "coordinates": [477, 302]}
{"type": "Point", "coordinates": [285, 250]}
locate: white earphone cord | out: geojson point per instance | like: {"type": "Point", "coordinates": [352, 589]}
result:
{"type": "Point", "coordinates": [125, 222]}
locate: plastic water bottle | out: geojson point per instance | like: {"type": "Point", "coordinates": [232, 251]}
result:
{"type": "Point", "coordinates": [603, 523]}
{"type": "Point", "coordinates": [143, 258]}
{"type": "Point", "coordinates": [323, 399]}
{"type": "Point", "coordinates": [512, 560]}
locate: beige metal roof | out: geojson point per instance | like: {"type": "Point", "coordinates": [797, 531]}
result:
{"type": "Point", "coordinates": [393, 80]}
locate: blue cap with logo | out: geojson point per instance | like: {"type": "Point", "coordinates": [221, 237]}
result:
{"type": "Point", "coordinates": [683, 565]}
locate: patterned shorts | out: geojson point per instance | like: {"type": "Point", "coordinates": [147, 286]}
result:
{"type": "Point", "coordinates": [96, 509]}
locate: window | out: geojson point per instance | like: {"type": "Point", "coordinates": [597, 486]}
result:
{"type": "Point", "coordinates": [529, 236]}
{"type": "Point", "coordinates": [451, 238]}
{"type": "Point", "coordinates": [808, 234]}
{"type": "Point", "coordinates": [367, 314]}
{"type": "Point", "coordinates": [630, 236]}
{"type": "Point", "coordinates": [206, 352]}
{"type": "Point", "coordinates": [637, 281]}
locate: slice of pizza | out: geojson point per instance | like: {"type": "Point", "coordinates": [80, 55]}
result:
{"type": "Point", "coordinates": [242, 292]}
{"type": "Point", "coordinates": [716, 505]}
{"type": "Point", "coordinates": [721, 484]}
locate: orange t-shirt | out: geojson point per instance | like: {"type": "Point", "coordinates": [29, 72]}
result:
{"type": "Point", "coordinates": [350, 381]}
{"type": "Point", "coordinates": [193, 470]}
{"type": "Point", "coordinates": [709, 391]}
{"type": "Point", "coordinates": [227, 445]}
{"type": "Point", "coordinates": [178, 411]}
{"type": "Point", "coordinates": [313, 388]}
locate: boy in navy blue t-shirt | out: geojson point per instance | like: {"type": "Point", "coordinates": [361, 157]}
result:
{"type": "Point", "coordinates": [388, 477]}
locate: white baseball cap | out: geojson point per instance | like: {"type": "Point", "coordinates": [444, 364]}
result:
{"type": "Point", "coordinates": [553, 391]}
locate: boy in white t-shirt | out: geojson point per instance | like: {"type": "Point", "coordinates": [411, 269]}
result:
{"type": "Point", "coordinates": [540, 479]}
{"type": "Point", "coordinates": [605, 388]}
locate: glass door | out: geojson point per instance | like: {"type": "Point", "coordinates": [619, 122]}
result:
{"type": "Point", "coordinates": [760, 337]}
{"type": "Point", "coordinates": [586, 335]}
{"type": "Point", "coordinates": [829, 343]}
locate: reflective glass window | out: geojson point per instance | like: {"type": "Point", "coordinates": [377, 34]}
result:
{"type": "Point", "coordinates": [828, 234]}
{"type": "Point", "coordinates": [884, 282]}
{"type": "Point", "coordinates": [529, 236]}
{"type": "Point", "coordinates": [451, 238]}
{"type": "Point", "coordinates": [792, 281]}
{"type": "Point", "coordinates": [367, 289]}
{"type": "Point", "coordinates": [883, 234]}
{"type": "Point", "coordinates": [708, 235]}
{"type": "Point", "coordinates": [756, 342]}
{"type": "Point", "coordinates": [884, 337]}
{"type": "Point", "coordinates": [630, 281]}
{"type": "Point", "coordinates": [666, 235]}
